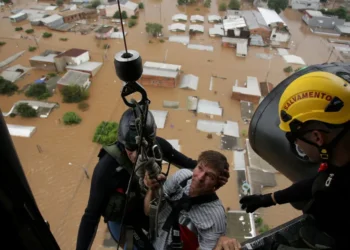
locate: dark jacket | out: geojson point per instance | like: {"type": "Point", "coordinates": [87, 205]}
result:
{"type": "Point", "coordinates": [106, 180]}
{"type": "Point", "coordinates": [329, 193]}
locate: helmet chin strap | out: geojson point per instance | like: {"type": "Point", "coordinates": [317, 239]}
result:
{"type": "Point", "coordinates": [326, 149]}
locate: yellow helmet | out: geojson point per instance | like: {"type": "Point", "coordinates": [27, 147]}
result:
{"type": "Point", "coordinates": [316, 96]}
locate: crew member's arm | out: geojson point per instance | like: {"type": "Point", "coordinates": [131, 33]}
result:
{"type": "Point", "coordinates": [299, 191]}
{"type": "Point", "coordinates": [175, 157]}
{"type": "Point", "coordinates": [98, 199]}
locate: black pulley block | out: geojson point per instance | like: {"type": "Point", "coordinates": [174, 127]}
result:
{"type": "Point", "coordinates": [128, 65]}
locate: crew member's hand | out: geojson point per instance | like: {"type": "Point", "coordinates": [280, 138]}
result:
{"type": "Point", "coordinates": [251, 203]}
{"type": "Point", "coordinates": [223, 179]}
{"type": "Point", "coordinates": [153, 183]}
{"type": "Point", "coordinates": [226, 243]}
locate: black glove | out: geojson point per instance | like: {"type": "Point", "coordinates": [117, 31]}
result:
{"type": "Point", "coordinates": [251, 203]}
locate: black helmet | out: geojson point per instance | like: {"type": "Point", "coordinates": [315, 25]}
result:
{"type": "Point", "coordinates": [127, 129]}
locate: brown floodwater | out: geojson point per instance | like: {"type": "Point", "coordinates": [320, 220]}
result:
{"type": "Point", "coordinates": [56, 174]}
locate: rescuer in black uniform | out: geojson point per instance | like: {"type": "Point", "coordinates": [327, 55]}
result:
{"type": "Point", "coordinates": [110, 181]}
{"type": "Point", "coordinates": [314, 112]}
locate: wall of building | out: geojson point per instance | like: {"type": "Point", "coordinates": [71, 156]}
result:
{"type": "Point", "coordinates": [264, 33]}
{"type": "Point", "coordinates": [242, 97]}
{"type": "Point", "coordinates": [104, 35]}
{"type": "Point", "coordinates": [20, 18]}
{"type": "Point", "coordinates": [43, 65]}
{"type": "Point", "coordinates": [305, 4]}
{"type": "Point", "coordinates": [129, 12]}
{"type": "Point", "coordinates": [77, 60]}
{"type": "Point", "coordinates": [323, 21]}
{"type": "Point", "coordinates": [60, 64]}
{"type": "Point", "coordinates": [56, 23]}
{"type": "Point", "coordinates": [158, 81]}
{"type": "Point", "coordinates": [74, 17]}
{"type": "Point", "coordinates": [279, 36]}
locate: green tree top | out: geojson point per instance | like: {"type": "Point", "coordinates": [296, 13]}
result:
{"type": "Point", "coordinates": [154, 29]}
{"type": "Point", "coordinates": [277, 5]}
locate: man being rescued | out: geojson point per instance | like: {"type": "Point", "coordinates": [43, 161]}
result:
{"type": "Point", "coordinates": [191, 216]}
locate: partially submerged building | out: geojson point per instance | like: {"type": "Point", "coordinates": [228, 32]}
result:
{"type": "Point", "coordinates": [305, 4]}
{"type": "Point", "coordinates": [256, 24]}
{"type": "Point", "coordinates": [104, 32]}
{"type": "Point", "coordinates": [177, 27]}
{"type": "Point", "coordinates": [196, 28]}
{"type": "Point", "coordinates": [71, 57]}
{"type": "Point", "coordinates": [73, 77]}
{"type": "Point", "coordinates": [52, 21]}
{"type": "Point", "coordinates": [249, 93]}
{"type": "Point", "coordinates": [160, 74]}
{"type": "Point", "coordinates": [197, 19]}
{"type": "Point", "coordinates": [235, 27]}
{"type": "Point", "coordinates": [15, 72]}
{"type": "Point", "coordinates": [18, 17]}
{"type": "Point", "coordinates": [46, 60]}
{"type": "Point", "coordinates": [87, 67]}
{"type": "Point", "coordinates": [217, 30]}
{"type": "Point", "coordinates": [179, 18]}
{"type": "Point", "coordinates": [279, 29]}
{"type": "Point", "coordinates": [316, 19]}
{"type": "Point", "coordinates": [214, 19]}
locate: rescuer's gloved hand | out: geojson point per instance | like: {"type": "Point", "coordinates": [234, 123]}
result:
{"type": "Point", "coordinates": [251, 203]}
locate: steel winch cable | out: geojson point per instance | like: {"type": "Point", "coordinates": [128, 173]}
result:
{"type": "Point", "coordinates": [128, 67]}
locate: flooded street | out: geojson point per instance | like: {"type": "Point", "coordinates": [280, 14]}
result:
{"type": "Point", "coordinates": [56, 174]}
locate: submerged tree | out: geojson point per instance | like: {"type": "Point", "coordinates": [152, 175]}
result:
{"type": "Point", "coordinates": [154, 29]}
{"type": "Point", "coordinates": [278, 5]}
{"type": "Point", "coordinates": [234, 5]}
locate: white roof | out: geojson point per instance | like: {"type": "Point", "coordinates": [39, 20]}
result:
{"type": "Point", "coordinates": [294, 59]}
{"type": "Point", "coordinates": [51, 19]}
{"type": "Point", "coordinates": [86, 66]}
{"type": "Point", "coordinates": [242, 48]}
{"type": "Point", "coordinates": [192, 102]}
{"type": "Point", "coordinates": [118, 34]}
{"type": "Point", "coordinates": [161, 73]}
{"type": "Point", "coordinates": [216, 31]}
{"type": "Point", "coordinates": [282, 52]}
{"type": "Point", "coordinates": [239, 160]}
{"type": "Point", "coordinates": [189, 81]}
{"type": "Point", "coordinates": [314, 12]}
{"type": "Point", "coordinates": [252, 88]}
{"type": "Point", "coordinates": [162, 66]}
{"type": "Point", "coordinates": [270, 16]}
{"type": "Point", "coordinates": [200, 47]}
{"type": "Point", "coordinates": [179, 17]}
{"type": "Point", "coordinates": [159, 117]}
{"type": "Point", "coordinates": [14, 73]}
{"type": "Point", "coordinates": [197, 18]}
{"type": "Point", "coordinates": [179, 39]}
{"type": "Point", "coordinates": [131, 5]}
{"type": "Point", "coordinates": [234, 23]}
{"type": "Point", "coordinates": [210, 126]}
{"type": "Point", "coordinates": [344, 29]}
{"type": "Point", "coordinates": [229, 128]}
{"type": "Point", "coordinates": [18, 15]}
{"type": "Point", "coordinates": [209, 107]}
{"type": "Point", "coordinates": [213, 18]}
{"type": "Point", "coordinates": [19, 130]}
{"type": "Point", "coordinates": [177, 26]}
{"type": "Point", "coordinates": [48, 58]}
{"type": "Point", "coordinates": [50, 7]}
{"type": "Point", "coordinates": [197, 27]}
{"type": "Point", "coordinates": [74, 77]}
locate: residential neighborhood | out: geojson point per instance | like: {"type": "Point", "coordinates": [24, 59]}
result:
{"type": "Point", "coordinates": [206, 67]}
